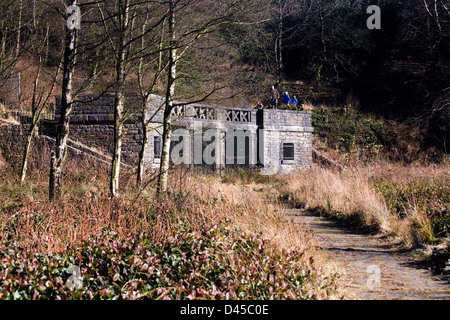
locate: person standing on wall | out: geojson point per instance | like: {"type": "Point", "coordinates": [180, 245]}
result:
{"type": "Point", "coordinates": [287, 99]}
{"type": "Point", "coordinates": [274, 97]}
{"type": "Point", "coordinates": [295, 101]}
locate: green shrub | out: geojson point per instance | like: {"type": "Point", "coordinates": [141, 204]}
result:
{"type": "Point", "coordinates": [354, 132]}
{"type": "Point", "coordinates": [218, 264]}
{"type": "Point", "coordinates": [440, 261]}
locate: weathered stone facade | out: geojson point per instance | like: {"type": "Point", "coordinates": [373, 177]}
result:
{"type": "Point", "coordinates": [283, 129]}
{"type": "Point", "coordinates": [13, 139]}
{"type": "Point", "coordinates": [275, 140]}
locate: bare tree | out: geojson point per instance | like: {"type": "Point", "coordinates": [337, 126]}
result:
{"type": "Point", "coordinates": [9, 55]}
{"type": "Point", "coordinates": [127, 17]}
{"type": "Point", "coordinates": [436, 8]}
{"type": "Point", "coordinates": [62, 133]}
{"type": "Point", "coordinates": [40, 97]}
{"type": "Point", "coordinates": [170, 93]}
{"type": "Point", "coordinates": [128, 25]}
{"type": "Point", "coordinates": [121, 55]}
{"type": "Point", "coordinates": [183, 35]}
{"type": "Point", "coordinates": [19, 27]}
{"type": "Point", "coordinates": [147, 91]}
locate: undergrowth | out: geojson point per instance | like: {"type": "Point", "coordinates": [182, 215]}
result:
{"type": "Point", "coordinates": [217, 264]}
{"type": "Point", "coordinates": [365, 136]}
{"type": "Point", "coordinates": [205, 240]}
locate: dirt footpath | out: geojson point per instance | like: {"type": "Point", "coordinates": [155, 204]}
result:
{"type": "Point", "coordinates": [370, 269]}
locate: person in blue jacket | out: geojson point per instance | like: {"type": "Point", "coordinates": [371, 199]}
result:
{"type": "Point", "coordinates": [295, 101]}
{"type": "Point", "coordinates": [287, 99]}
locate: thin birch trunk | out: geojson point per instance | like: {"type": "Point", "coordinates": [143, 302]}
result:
{"type": "Point", "coordinates": [3, 47]}
{"type": "Point", "coordinates": [145, 122]}
{"type": "Point", "coordinates": [19, 28]}
{"type": "Point", "coordinates": [141, 168]}
{"type": "Point", "coordinates": [119, 101]}
{"type": "Point", "coordinates": [62, 133]}
{"type": "Point", "coordinates": [167, 125]}
{"type": "Point", "coordinates": [35, 116]}
{"type": "Point", "coordinates": [279, 45]}
{"type": "Point", "coordinates": [141, 164]}
{"type": "Point", "coordinates": [34, 14]}
{"type": "Point", "coordinates": [37, 107]}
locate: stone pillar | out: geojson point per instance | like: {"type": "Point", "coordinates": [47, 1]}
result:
{"type": "Point", "coordinates": [220, 152]}
{"type": "Point", "coordinates": [253, 148]}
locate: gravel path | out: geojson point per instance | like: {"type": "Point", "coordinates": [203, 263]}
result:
{"type": "Point", "coordinates": [370, 269]}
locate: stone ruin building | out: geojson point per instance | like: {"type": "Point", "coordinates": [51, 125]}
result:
{"type": "Point", "coordinates": [277, 141]}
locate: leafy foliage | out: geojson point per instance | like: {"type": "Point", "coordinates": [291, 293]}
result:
{"type": "Point", "coordinates": [354, 133]}
{"type": "Point", "coordinates": [440, 261]}
{"type": "Point", "coordinates": [218, 264]}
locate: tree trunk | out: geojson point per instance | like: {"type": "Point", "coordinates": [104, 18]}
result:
{"type": "Point", "coordinates": [19, 28]}
{"type": "Point", "coordinates": [119, 101]}
{"type": "Point", "coordinates": [3, 47]}
{"type": "Point", "coordinates": [147, 95]}
{"type": "Point", "coordinates": [141, 167]}
{"type": "Point", "coordinates": [62, 133]}
{"type": "Point", "coordinates": [34, 14]}
{"type": "Point", "coordinates": [38, 104]}
{"type": "Point", "coordinates": [35, 121]}
{"type": "Point", "coordinates": [23, 173]}
{"type": "Point", "coordinates": [51, 191]}
{"type": "Point", "coordinates": [279, 44]}
{"type": "Point", "coordinates": [118, 139]}
{"type": "Point", "coordinates": [167, 124]}
{"type": "Point", "coordinates": [318, 82]}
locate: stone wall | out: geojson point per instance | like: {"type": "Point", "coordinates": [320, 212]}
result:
{"type": "Point", "coordinates": [101, 138]}
{"type": "Point", "coordinates": [100, 110]}
{"type": "Point", "coordinates": [92, 125]}
{"type": "Point", "coordinates": [269, 131]}
{"type": "Point", "coordinates": [280, 127]}
{"type": "Point", "coordinates": [12, 147]}
{"type": "Point", "coordinates": [12, 142]}
{"type": "Point", "coordinates": [279, 119]}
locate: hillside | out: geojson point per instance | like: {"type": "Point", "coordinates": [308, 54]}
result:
{"type": "Point", "coordinates": [78, 221]}
{"type": "Point", "coordinates": [229, 57]}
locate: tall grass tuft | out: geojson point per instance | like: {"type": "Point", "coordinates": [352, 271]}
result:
{"type": "Point", "coordinates": [410, 203]}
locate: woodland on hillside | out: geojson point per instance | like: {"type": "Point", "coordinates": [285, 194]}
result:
{"type": "Point", "coordinates": [229, 52]}
{"type": "Point", "coordinates": [380, 103]}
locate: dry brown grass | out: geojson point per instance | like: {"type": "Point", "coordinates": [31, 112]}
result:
{"type": "Point", "coordinates": [242, 205]}
{"type": "Point", "coordinates": [308, 106]}
{"type": "Point", "coordinates": [345, 193]}
{"type": "Point", "coordinates": [196, 203]}
{"type": "Point", "coordinates": [202, 201]}
{"type": "Point", "coordinates": [246, 206]}
{"type": "Point", "coordinates": [350, 195]}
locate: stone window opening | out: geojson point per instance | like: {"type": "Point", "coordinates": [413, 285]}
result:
{"type": "Point", "coordinates": [157, 147]}
{"type": "Point", "coordinates": [288, 151]}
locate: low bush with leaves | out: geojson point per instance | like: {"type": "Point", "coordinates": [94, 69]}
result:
{"type": "Point", "coordinates": [205, 240]}
{"type": "Point", "coordinates": [367, 137]}
{"type": "Point", "coordinates": [440, 261]}
{"type": "Point", "coordinates": [218, 264]}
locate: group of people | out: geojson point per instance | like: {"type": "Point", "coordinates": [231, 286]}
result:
{"type": "Point", "coordinates": [287, 100]}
